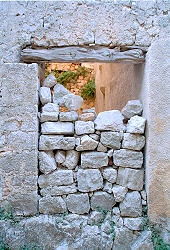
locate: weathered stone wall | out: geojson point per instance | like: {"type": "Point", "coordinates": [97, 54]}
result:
{"type": "Point", "coordinates": [19, 86]}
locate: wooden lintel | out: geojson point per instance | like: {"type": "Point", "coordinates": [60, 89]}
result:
{"type": "Point", "coordinates": [82, 54]}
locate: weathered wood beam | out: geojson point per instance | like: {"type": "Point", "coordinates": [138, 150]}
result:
{"type": "Point", "coordinates": [82, 54]}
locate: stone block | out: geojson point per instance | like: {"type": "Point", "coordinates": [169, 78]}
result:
{"type": "Point", "coordinates": [131, 178]}
{"type": "Point", "coordinates": [136, 125]}
{"type": "Point", "coordinates": [133, 107]}
{"type": "Point", "coordinates": [45, 95]}
{"type": "Point", "coordinates": [134, 224]}
{"type": "Point", "coordinates": [109, 120]}
{"type": "Point", "coordinates": [101, 148]}
{"type": "Point", "coordinates": [50, 112]}
{"type": "Point", "coordinates": [131, 206]}
{"type": "Point", "coordinates": [52, 142]}
{"type": "Point", "coordinates": [133, 141]}
{"type": "Point", "coordinates": [60, 156]}
{"type": "Point", "coordinates": [111, 139]}
{"type": "Point", "coordinates": [127, 158]}
{"type": "Point", "coordinates": [95, 137]}
{"type": "Point", "coordinates": [94, 159]}
{"type": "Point", "coordinates": [57, 178]}
{"type": "Point", "coordinates": [102, 200]}
{"type": "Point", "coordinates": [87, 117]}
{"type": "Point", "coordinates": [50, 81]}
{"type": "Point", "coordinates": [49, 117]}
{"type": "Point", "coordinates": [143, 194]}
{"type": "Point", "coordinates": [82, 127]}
{"type": "Point", "coordinates": [58, 128]}
{"type": "Point", "coordinates": [52, 205]}
{"type": "Point", "coordinates": [68, 116]}
{"type": "Point", "coordinates": [123, 238]}
{"type": "Point", "coordinates": [110, 153]}
{"type": "Point", "coordinates": [78, 203]}
{"type": "Point", "coordinates": [47, 162]}
{"type": "Point", "coordinates": [110, 174]}
{"type": "Point", "coordinates": [51, 108]}
{"type": "Point", "coordinates": [59, 92]}
{"type": "Point", "coordinates": [72, 102]}
{"type": "Point", "coordinates": [89, 180]}
{"type": "Point", "coordinates": [72, 158]}
{"type": "Point", "coordinates": [87, 143]}
{"type": "Point", "coordinates": [107, 187]}
{"type": "Point", "coordinates": [143, 242]}
{"type": "Point", "coordinates": [58, 190]}
{"type": "Point", "coordinates": [119, 192]}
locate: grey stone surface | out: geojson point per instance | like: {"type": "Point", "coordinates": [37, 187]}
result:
{"type": "Point", "coordinates": [58, 190]}
{"type": "Point", "coordinates": [50, 107]}
{"type": "Point", "coordinates": [68, 116]}
{"type": "Point", "coordinates": [95, 137]}
{"type": "Point", "coordinates": [110, 174]}
{"type": "Point", "coordinates": [72, 158]}
{"type": "Point", "coordinates": [50, 81]}
{"type": "Point", "coordinates": [131, 178]}
{"type": "Point", "coordinates": [143, 194]}
{"type": "Point", "coordinates": [110, 153]}
{"type": "Point", "coordinates": [119, 192]}
{"type": "Point", "coordinates": [143, 242]}
{"type": "Point", "coordinates": [47, 162]}
{"type": "Point", "coordinates": [133, 107]}
{"type": "Point", "coordinates": [59, 92]}
{"type": "Point", "coordinates": [51, 142]}
{"type": "Point", "coordinates": [87, 143]}
{"type": "Point", "coordinates": [94, 159]}
{"type": "Point", "coordinates": [72, 102]}
{"type": "Point", "coordinates": [87, 116]}
{"type": "Point", "coordinates": [111, 139]}
{"type": "Point", "coordinates": [102, 200]}
{"type": "Point", "coordinates": [49, 117]}
{"type": "Point", "coordinates": [89, 180]}
{"type": "Point", "coordinates": [136, 125]}
{"type": "Point", "coordinates": [133, 223]}
{"type": "Point", "coordinates": [82, 127]}
{"type": "Point", "coordinates": [101, 148]}
{"type": "Point", "coordinates": [127, 158]}
{"type": "Point", "coordinates": [131, 206]}
{"type": "Point", "coordinates": [60, 156]}
{"type": "Point", "coordinates": [58, 128]}
{"type": "Point", "coordinates": [123, 239]}
{"type": "Point", "coordinates": [57, 178]}
{"type": "Point", "coordinates": [78, 203]}
{"type": "Point", "coordinates": [107, 187]}
{"type": "Point", "coordinates": [45, 95]}
{"type": "Point", "coordinates": [109, 120]}
{"type": "Point", "coordinates": [95, 217]}
{"type": "Point", "coordinates": [133, 141]}
{"type": "Point", "coordinates": [52, 205]}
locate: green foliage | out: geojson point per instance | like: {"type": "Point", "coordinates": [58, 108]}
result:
{"type": "Point", "coordinates": [88, 90]}
{"type": "Point", "coordinates": [82, 71]}
{"type": "Point", "coordinates": [3, 245]}
{"type": "Point", "coordinates": [157, 240]}
{"type": "Point", "coordinates": [31, 247]}
{"type": "Point", "coordinates": [7, 213]}
{"type": "Point", "coordinates": [67, 77]}
{"type": "Point", "coordinates": [62, 216]}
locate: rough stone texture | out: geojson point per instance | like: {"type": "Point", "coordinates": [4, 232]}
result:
{"type": "Point", "coordinates": [19, 125]}
{"type": "Point", "coordinates": [131, 206]}
{"type": "Point", "coordinates": [102, 200]}
{"type": "Point", "coordinates": [136, 125]}
{"type": "Point", "coordinates": [58, 190]}
{"type": "Point", "coordinates": [82, 127]}
{"type": "Point", "coordinates": [51, 107]}
{"type": "Point", "coordinates": [119, 192]}
{"type": "Point", "coordinates": [123, 239]}
{"type": "Point", "coordinates": [109, 120]}
{"type": "Point", "coordinates": [60, 156]}
{"type": "Point", "coordinates": [130, 178]}
{"type": "Point", "coordinates": [59, 92]}
{"type": "Point", "coordinates": [59, 128]}
{"type": "Point", "coordinates": [51, 142]}
{"type": "Point", "coordinates": [87, 143]}
{"type": "Point", "coordinates": [78, 203]}
{"type": "Point", "coordinates": [72, 158]}
{"type": "Point", "coordinates": [101, 148]}
{"type": "Point", "coordinates": [72, 102]}
{"type": "Point", "coordinates": [45, 95]}
{"type": "Point", "coordinates": [50, 112]}
{"type": "Point", "coordinates": [107, 187]}
{"type": "Point", "coordinates": [94, 159]}
{"type": "Point", "coordinates": [68, 116]}
{"type": "Point", "coordinates": [87, 117]}
{"type": "Point", "coordinates": [132, 141]}
{"type": "Point", "coordinates": [127, 158]}
{"type": "Point", "coordinates": [111, 139]}
{"type": "Point", "coordinates": [50, 81]}
{"type": "Point", "coordinates": [57, 178]}
{"type": "Point", "coordinates": [133, 107]}
{"type": "Point", "coordinates": [52, 205]}
{"type": "Point", "coordinates": [143, 242]}
{"type": "Point", "coordinates": [110, 174]}
{"type": "Point", "coordinates": [143, 194]}
{"type": "Point", "coordinates": [89, 180]}
{"type": "Point", "coordinates": [133, 223]}
{"type": "Point", "coordinates": [47, 162]}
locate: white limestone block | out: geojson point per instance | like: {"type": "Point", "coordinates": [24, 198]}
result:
{"type": "Point", "coordinates": [82, 127]}
{"type": "Point", "coordinates": [58, 128]}
{"type": "Point", "coordinates": [87, 143]}
{"type": "Point", "coordinates": [111, 139]}
{"type": "Point", "coordinates": [45, 95]}
{"type": "Point", "coordinates": [133, 141]}
{"type": "Point", "coordinates": [94, 159]}
{"type": "Point", "coordinates": [119, 192]}
{"type": "Point", "coordinates": [110, 174]}
{"type": "Point", "coordinates": [136, 125]}
{"type": "Point", "coordinates": [133, 107]}
{"type": "Point", "coordinates": [78, 203]}
{"type": "Point", "coordinates": [50, 81]}
{"type": "Point", "coordinates": [47, 162]}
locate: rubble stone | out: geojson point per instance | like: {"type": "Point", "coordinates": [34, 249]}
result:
{"type": "Point", "coordinates": [60, 128]}
{"type": "Point", "coordinates": [133, 141]}
{"type": "Point", "coordinates": [127, 158]}
{"type": "Point", "coordinates": [50, 81]}
{"type": "Point", "coordinates": [119, 192]}
{"type": "Point", "coordinates": [47, 162]}
{"type": "Point", "coordinates": [107, 187]}
{"type": "Point", "coordinates": [102, 200]}
{"type": "Point", "coordinates": [82, 127]}
{"type": "Point", "coordinates": [94, 159]}
{"type": "Point", "coordinates": [95, 137]}
{"type": "Point", "coordinates": [110, 174]}
{"type": "Point", "coordinates": [101, 148]}
{"type": "Point", "coordinates": [78, 203]}
{"type": "Point", "coordinates": [144, 242]}
{"type": "Point", "coordinates": [123, 239]}
{"type": "Point", "coordinates": [72, 102]}
{"type": "Point", "coordinates": [72, 158]}
{"type": "Point", "coordinates": [136, 125]}
{"type": "Point", "coordinates": [52, 142]}
{"type": "Point", "coordinates": [89, 180]}
{"type": "Point", "coordinates": [60, 156]}
{"type": "Point", "coordinates": [52, 205]}
{"type": "Point", "coordinates": [87, 117]}
{"type": "Point", "coordinates": [68, 116]}
{"type": "Point", "coordinates": [143, 194]}
{"type": "Point", "coordinates": [49, 117]}
{"type": "Point", "coordinates": [133, 107]}
{"type": "Point", "coordinates": [58, 190]}
{"type": "Point", "coordinates": [59, 92]}
{"type": "Point", "coordinates": [50, 107]}
{"type": "Point", "coordinates": [111, 139]}
{"type": "Point", "coordinates": [133, 223]}
{"type": "Point", "coordinates": [45, 95]}
{"type": "Point", "coordinates": [87, 143]}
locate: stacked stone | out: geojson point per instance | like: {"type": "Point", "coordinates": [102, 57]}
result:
{"type": "Point", "coordinates": [88, 163]}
